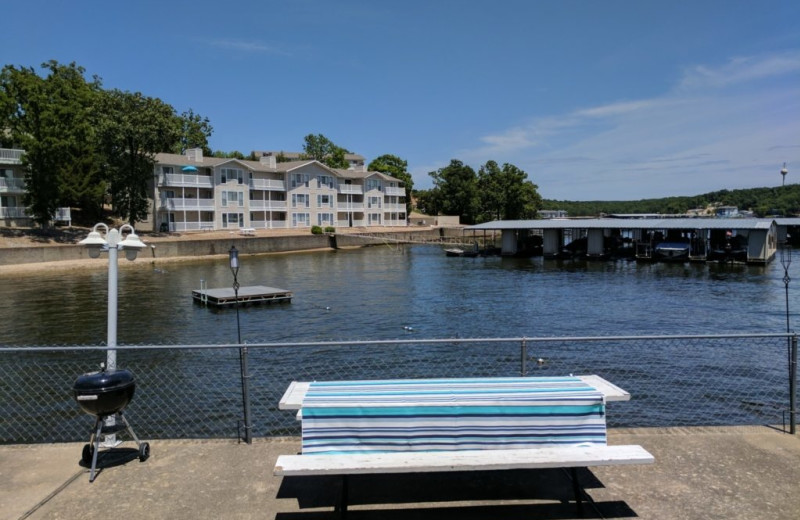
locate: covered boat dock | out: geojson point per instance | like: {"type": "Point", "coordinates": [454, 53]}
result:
{"type": "Point", "coordinates": [752, 241]}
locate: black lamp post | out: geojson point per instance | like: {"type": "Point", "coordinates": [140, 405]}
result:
{"type": "Point", "coordinates": [233, 255]}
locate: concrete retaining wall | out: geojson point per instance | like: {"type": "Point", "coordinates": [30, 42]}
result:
{"type": "Point", "coordinates": [205, 247]}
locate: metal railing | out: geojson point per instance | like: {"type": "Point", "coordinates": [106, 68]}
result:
{"type": "Point", "coordinates": [195, 391]}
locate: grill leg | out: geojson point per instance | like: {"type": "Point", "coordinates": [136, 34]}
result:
{"type": "Point", "coordinates": [130, 430]}
{"type": "Point", "coordinates": [96, 443]}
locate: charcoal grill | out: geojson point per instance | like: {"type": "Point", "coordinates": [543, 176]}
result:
{"type": "Point", "coordinates": [104, 394]}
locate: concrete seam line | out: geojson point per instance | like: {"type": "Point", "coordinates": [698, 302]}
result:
{"type": "Point", "coordinates": [49, 497]}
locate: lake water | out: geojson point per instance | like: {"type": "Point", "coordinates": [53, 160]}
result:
{"type": "Point", "coordinates": [379, 292]}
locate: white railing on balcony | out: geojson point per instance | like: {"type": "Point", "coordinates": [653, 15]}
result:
{"type": "Point", "coordinates": [353, 206]}
{"type": "Point", "coordinates": [187, 204]}
{"type": "Point", "coordinates": [191, 226]}
{"type": "Point", "coordinates": [268, 184]}
{"type": "Point", "coordinates": [352, 189]}
{"type": "Point", "coordinates": [183, 179]}
{"type": "Point", "coordinates": [12, 184]}
{"type": "Point", "coordinates": [400, 192]}
{"type": "Point", "coordinates": [268, 204]}
{"type": "Point", "coordinates": [394, 208]}
{"type": "Point", "coordinates": [395, 223]}
{"type": "Point", "coordinates": [14, 212]}
{"type": "Point", "coordinates": [10, 156]}
{"type": "Point", "coordinates": [268, 224]}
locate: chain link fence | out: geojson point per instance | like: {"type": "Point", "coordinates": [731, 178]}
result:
{"type": "Point", "coordinates": [195, 391]}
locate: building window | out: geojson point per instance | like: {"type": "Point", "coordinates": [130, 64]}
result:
{"type": "Point", "coordinates": [235, 198]}
{"type": "Point", "coordinates": [166, 170]}
{"type": "Point", "coordinates": [300, 220]}
{"type": "Point", "coordinates": [231, 174]}
{"type": "Point", "coordinates": [325, 181]}
{"type": "Point", "coordinates": [324, 201]}
{"type": "Point", "coordinates": [232, 220]}
{"type": "Point", "coordinates": [374, 202]}
{"type": "Point", "coordinates": [300, 179]}
{"type": "Point", "coordinates": [325, 219]}
{"type": "Point", "coordinates": [374, 219]}
{"type": "Point", "coordinates": [300, 200]}
{"type": "Point", "coordinates": [373, 184]}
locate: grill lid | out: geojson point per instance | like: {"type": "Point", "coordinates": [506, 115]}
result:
{"type": "Point", "coordinates": [103, 381]}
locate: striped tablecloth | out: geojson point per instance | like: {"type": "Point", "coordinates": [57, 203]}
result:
{"type": "Point", "coordinates": [451, 414]}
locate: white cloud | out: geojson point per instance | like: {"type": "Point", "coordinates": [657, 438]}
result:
{"type": "Point", "coordinates": [248, 46]}
{"type": "Point", "coordinates": [741, 70]}
{"type": "Point", "coordinates": [719, 128]}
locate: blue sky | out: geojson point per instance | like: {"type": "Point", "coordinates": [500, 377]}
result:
{"type": "Point", "coordinates": [594, 100]}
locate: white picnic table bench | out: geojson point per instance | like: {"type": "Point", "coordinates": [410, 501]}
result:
{"type": "Point", "coordinates": [453, 425]}
{"type": "Point", "coordinates": [247, 231]}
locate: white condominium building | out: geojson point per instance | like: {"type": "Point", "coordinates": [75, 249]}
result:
{"type": "Point", "coordinates": [193, 192]}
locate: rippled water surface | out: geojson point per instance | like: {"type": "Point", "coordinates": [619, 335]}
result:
{"type": "Point", "coordinates": [378, 292]}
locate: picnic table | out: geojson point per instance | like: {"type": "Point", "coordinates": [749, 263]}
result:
{"type": "Point", "coordinates": [406, 426]}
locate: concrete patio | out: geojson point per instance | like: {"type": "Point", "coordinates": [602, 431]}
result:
{"type": "Point", "coordinates": [699, 473]}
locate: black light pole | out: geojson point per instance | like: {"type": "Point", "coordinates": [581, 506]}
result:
{"type": "Point", "coordinates": [234, 262]}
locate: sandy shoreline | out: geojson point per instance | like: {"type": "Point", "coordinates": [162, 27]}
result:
{"type": "Point", "coordinates": [20, 238]}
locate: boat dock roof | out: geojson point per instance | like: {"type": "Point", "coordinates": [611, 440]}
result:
{"type": "Point", "coordinates": [637, 223]}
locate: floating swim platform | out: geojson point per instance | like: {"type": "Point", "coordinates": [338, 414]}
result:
{"type": "Point", "coordinates": [247, 295]}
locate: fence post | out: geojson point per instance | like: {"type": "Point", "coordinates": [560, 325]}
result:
{"type": "Point", "coordinates": [793, 387]}
{"type": "Point", "coordinates": [524, 358]}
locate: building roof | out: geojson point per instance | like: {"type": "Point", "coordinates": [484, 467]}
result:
{"type": "Point", "coordinates": [297, 155]}
{"type": "Point", "coordinates": [636, 223]}
{"type": "Point", "coordinates": [257, 166]}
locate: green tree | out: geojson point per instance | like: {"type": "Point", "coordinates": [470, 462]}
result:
{"type": "Point", "coordinates": [456, 189]}
{"type": "Point", "coordinates": [134, 128]}
{"type": "Point", "coordinates": [53, 119]}
{"type": "Point", "coordinates": [235, 154]}
{"type": "Point", "coordinates": [505, 193]}
{"type": "Point", "coordinates": [322, 149]}
{"type": "Point", "coordinates": [398, 168]}
{"type": "Point", "coordinates": [427, 201]}
{"type": "Point", "coordinates": [194, 132]}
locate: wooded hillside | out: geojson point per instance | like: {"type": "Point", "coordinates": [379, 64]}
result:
{"type": "Point", "coordinates": [781, 200]}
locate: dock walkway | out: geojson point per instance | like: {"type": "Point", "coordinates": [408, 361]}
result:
{"type": "Point", "coordinates": [700, 473]}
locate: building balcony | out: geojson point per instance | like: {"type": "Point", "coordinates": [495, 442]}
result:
{"type": "Point", "coordinates": [398, 192]}
{"type": "Point", "coordinates": [351, 189]}
{"type": "Point", "coordinates": [268, 184]}
{"type": "Point", "coordinates": [12, 184]}
{"type": "Point", "coordinates": [353, 206]}
{"type": "Point", "coordinates": [186, 180]}
{"type": "Point", "coordinates": [268, 224]}
{"type": "Point", "coordinates": [14, 212]}
{"type": "Point", "coordinates": [61, 214]}
{"type": "Point", "coordinates": [394, 208]}
{"type": "Point", "coordinates": [268, 205]}
{"type": "Point", "coordinates": [11, 156]}
{"type": "Point", "coordinates": [177, 204]}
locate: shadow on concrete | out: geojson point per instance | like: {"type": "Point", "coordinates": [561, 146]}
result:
{"type": "Point", "coordinates": [551, 489]}
{"type": "Point", "coordinates": [112, 457]}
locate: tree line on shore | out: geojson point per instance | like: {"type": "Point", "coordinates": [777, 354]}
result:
{"type": "Point", "coordinates": [763, 202]}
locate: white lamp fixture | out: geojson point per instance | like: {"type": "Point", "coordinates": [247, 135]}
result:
{"type": "Point", "coordinates": [112, 243]}
{"type": "Point", "coordinates": [95, 243]}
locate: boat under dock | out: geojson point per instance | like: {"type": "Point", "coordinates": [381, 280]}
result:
{"type": "Point", "coordinates": [247, 295]}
